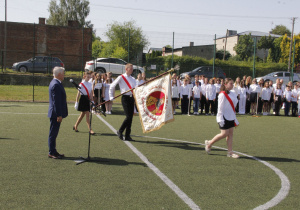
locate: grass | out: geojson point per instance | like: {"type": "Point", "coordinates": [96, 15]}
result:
{"type": "Point", "coordinates": [118, 179]}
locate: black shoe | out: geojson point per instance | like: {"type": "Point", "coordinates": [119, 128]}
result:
{"type": "Point", "coordinates": [128, 138]}
{"type": "Point", "coordinates": [120, 135]}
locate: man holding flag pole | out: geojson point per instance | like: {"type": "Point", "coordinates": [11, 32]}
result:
{"type": "Point", "coordinates": [126, 83]}
{"type": "Point", "coordinates": [153, 100]}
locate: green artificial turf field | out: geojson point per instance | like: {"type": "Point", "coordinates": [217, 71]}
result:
{"type": "Point", "coordinates": [119, 179]}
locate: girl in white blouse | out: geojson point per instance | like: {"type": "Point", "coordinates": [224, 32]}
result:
{"type": "Point", "coordinates": [242, 93]}
{"type": "Point", "coordinates": [265, 97]}
{"type": "Point", "coordinates": [226, 118]}
{"type": "Point", "coordinates": [277, 98]}
{"type": "Point", "coordinates": [253, 89]}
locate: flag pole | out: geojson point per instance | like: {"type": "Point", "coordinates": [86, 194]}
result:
{"type": "Point", "coordinates": [154, 78]}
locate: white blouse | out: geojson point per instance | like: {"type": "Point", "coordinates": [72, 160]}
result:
{"type": "Point", "coordinates": [266, 94]}
{"type": "Point", "coordinates": [224, 108]}
{"type": "Point", "coordinates": [210, 92]}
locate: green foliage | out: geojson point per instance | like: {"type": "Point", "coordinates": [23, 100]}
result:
{"type": "Point", "coordinates": [220, 55]}
{"type": "Point", "coordinates": [275, 51]}
{"type": "Point", "coordinates": [118, 35]}
{"type": "Point", "coordinates": [244, 47]}
{"type": "Point", "coordinates": [281, 30]}
{"type": "Point", "coordinates": [120, 52]}
{"type": "Point", "coordinates": [285, 49]}
{"type": "Point", "coordinates": [69, 10]}
{"type": "Point", "coordinates": [265, 43]}
{"type": "Point", "coordinates": [154, 54]}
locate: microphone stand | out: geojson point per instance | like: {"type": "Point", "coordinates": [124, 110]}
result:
{"type": "Point", "coordinates": [92, 105]}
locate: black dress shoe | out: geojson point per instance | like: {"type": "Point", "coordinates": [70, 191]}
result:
{"type": "Point", "coordinates": [128, 138]}
{"type": "Point", "coordinates": [75, 129]}
{"type": "Point", "coordinates": [120, 135]}
{"type": "Point", "coordinates": [61, 155]}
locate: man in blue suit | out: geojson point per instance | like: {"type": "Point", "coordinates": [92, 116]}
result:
{"type": "Point", "coordinates": [57, 109]}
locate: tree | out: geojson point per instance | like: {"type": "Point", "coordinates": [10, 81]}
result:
{"type": "Point", "coordinates": [265, 43]}
{"type": "Point", "coordinates": [118, 35]}
{"type": "Point", "coordinates": [69, 10]}
{"type": "Point", "coordinates": [281, 30]}
{"type": "Point", "coordinates": [244, 47]}
{"type": "Point", "coordinates": [220, 54]}
{"type": "Point", "coordinates": [275, 51]}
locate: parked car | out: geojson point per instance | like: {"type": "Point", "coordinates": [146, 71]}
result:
{"type": "Point", "coordinates": [114, 65]}
{"type": "Point", "coordinates": [41, 64]}
{"type": "Point", "coordinates": [207, 71]}
{"type": "Point", "coordinates": [286, 76]}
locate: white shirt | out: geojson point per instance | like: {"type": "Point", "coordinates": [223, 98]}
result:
{"type": "Point", "coordinates": [98, 85]}
{"type": "Point", "coordinates": [288, 95]}
{"type": "Point", "coordinates": [175, 91]}
{"type": "Point", "coordinates": [184, 90]}
{"type": "Point", "coordinates": [203, 89]}
{"type": "Point", "coordinates": [139, 82]}
{"type": "Point", "coordinates": [278, 92]}
{"type": "Point", "coordinates": [210, 92]}
{"type": "Point", "coordinates": [88, 86]}
{"type": "Point", "coordinates": [242, 92]}
{"type": "Point", "coordinates": [254, 88]}
{"type": "Point", "coordinates": [123, 86]}
{"type": "Point", "coordinates": [224, 108]}
{"type": "Point", "coordinates": [294, 95]}
{"type": "Point", "coordinates": [197, 91]}
{"type": "Point", "coordinates": [218, 87]}
{"type": "Point", "coordinates": [266, 94]}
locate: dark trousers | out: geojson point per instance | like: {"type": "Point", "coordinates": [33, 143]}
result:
{"type": "Point", "coordinates": [287, 108]}
{"type": "Point", "coordinates": [216, 103]}
{"type": "Point", "coordinates": [54, 128]}
{"type": "Point", "coordinates": [128, 106]}
{"type": "Point", "coordinates": [203, 103]}
{"type": "Point", "coordinates": [294, 108]}
{"type": "Point", "coordinates": [259, 105]}
{"type": "Point", "coordinates": [184, 104]}
{"type": "Point", "coordinates": [211, 104]}
{"type": "Point", "coordinates": [277, 105]}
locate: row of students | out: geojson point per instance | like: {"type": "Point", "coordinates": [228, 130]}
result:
{"type": "Point", "coordinates": [253, 97]}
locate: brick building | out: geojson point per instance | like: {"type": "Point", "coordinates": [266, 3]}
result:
{"type": "Point", "coordinates": [72, 44]}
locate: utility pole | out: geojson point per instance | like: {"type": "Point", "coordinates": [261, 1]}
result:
{"type": "Point", "coordinates": [225, 45]}
{"type": "Point", "coordinates": [291, 44]}
{"type": "Point", "coordinates": [5, 34]}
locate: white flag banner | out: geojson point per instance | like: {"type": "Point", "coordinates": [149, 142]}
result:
{"type": "Point", "coordinates": [154, 103]}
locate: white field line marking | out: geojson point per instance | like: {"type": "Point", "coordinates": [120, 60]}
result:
{"type": "Point", "coordinates": [30, 113]}
{"type": "Point", "coordinates": [162, 176]}
{"type": "Point", "coordinates": [285, 183]}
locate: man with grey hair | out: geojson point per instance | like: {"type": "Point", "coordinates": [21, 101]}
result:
{"type": "Point", "coordinates": [57, 109]}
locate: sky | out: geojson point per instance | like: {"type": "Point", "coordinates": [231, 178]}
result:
{"type": "Point", "coordinates": [195, 21]}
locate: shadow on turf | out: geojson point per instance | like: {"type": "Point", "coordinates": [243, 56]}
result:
{"type": "Point", "coordinates": [178, 145]}
{"type": "Point", "coordinates": [107, 161]}
{"type": "Point", "coordinates": [275, 159]}
{"type": "Point", "coordinates": [7, 139]}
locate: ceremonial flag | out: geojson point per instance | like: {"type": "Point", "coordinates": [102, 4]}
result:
{"type": "Point", "coordinates": [154, 103]}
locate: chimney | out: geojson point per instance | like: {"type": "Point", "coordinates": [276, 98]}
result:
{"type": "Point", "coordinates": [191, 44]}
{"type": "Point", "coordinates": [42, 21]}
{"type": "Point", "coordinates": [73, 23]}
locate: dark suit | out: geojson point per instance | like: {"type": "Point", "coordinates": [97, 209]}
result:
{"type": "Point", "coordinates": [57, 107]}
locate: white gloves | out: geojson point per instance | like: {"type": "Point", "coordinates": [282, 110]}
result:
{"type": "Point", "coordinates": [76, 105]}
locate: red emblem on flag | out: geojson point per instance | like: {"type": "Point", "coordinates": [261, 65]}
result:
{"type": "Point", "coordinates": [155, 102]}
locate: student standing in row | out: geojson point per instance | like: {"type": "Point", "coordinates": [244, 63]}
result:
{"type": "Point", "coordinates": [218, 86]}
{"type": "Point", "coordinates": [108, 105]}
{"type": "Point", "coordinates": [287, 98]}
{"type": "Point", "coordinates": [196, 96]}
{"type": "Point", "coordinates": [185, 95]}
{"type": "Point", "coordinates": [294, 100]}
{"type": "Point", "coordinates": [203, 98]}
{"type": "Point", "coordinates": [242, 91]}
{"type": "Point", "coordinates": [265, 97]}
{"type": "Point", "coordinates": [210, 93]}
{"type": "Point", "coordinates": [175, 94]}
{"type": "Point", "coordinates": [277, 98]}
{"type": "Point", "coordinates": [254, 89]}
{"type": "Point", "coordinates": [98, 88]}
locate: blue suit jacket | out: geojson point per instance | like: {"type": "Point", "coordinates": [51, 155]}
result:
{"type": "Point", "coordinates": [57, 100]}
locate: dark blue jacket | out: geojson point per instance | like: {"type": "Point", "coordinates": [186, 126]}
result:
{"type": "Point", "coordinates": [57, 100]}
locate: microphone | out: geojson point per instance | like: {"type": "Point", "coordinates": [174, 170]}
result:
{"type": "Point", "coordinates": [75, 84]}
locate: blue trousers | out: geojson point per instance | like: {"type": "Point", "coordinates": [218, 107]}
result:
{"type": "Point", "coordinates": [54, 128]}
{"type": "Point", "coordinates": [196, 104]}
{"type": "Point", "coordinates": [287, 108]}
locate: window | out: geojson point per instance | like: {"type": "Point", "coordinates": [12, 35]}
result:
{"type": "Point", "coordinates": [103, 60]}
{"type": "Point", "coordinates": [280, 74]}
{"type": "Point", "coordinates": [287, 74]}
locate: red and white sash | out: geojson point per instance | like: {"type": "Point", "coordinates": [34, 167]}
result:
{"type": "Point", "coordinates": [232, 106]}
{"type": "Point", "coordinates": [86, 90]}
{"type": "Point", "coordinates": [128, 84]}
